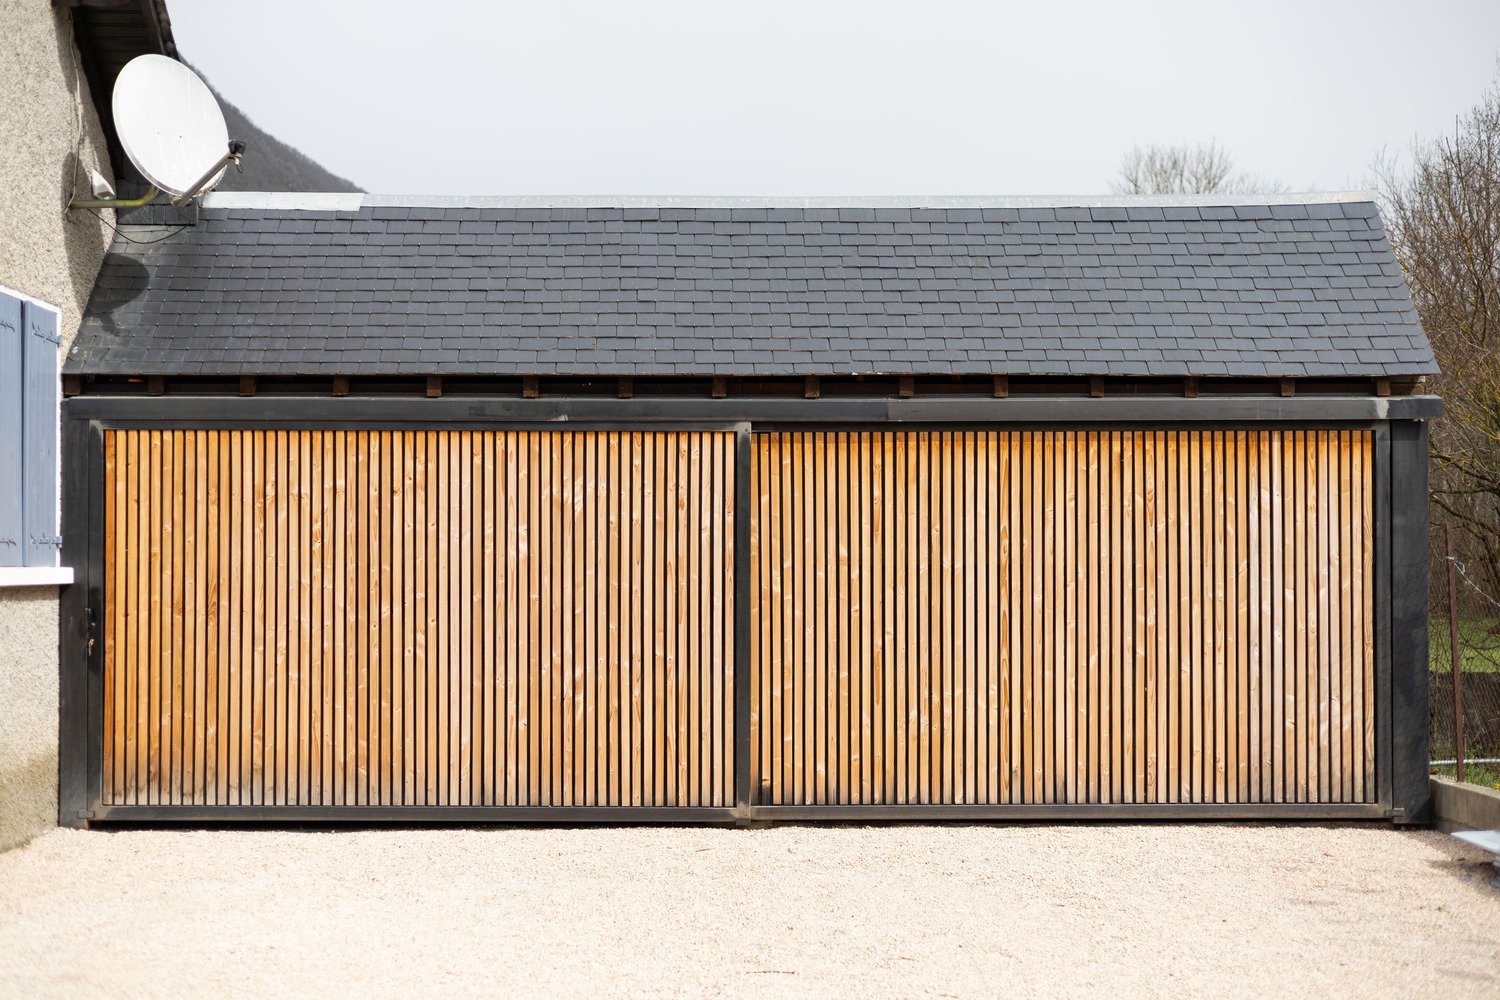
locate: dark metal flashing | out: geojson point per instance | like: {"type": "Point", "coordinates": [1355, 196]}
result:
{"type": "Point", "coordinates": [315, 412]}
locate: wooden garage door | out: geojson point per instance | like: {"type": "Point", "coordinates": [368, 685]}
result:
{"type": "Point", "coordinates": [352, 618]}
{"type": "Point", "coordinates": [1060, 617]}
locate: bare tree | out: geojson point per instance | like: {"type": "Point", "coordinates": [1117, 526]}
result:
{"type": "Point", "coordinates": [1443, 215]}
{"type": "Point", "coordinates": [1201, 169]}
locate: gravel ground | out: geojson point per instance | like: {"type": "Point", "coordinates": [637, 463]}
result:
{"type": "Point", "coordinates": [790, 911]}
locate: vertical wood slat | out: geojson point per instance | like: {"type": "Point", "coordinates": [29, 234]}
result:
{"type": "Point", "coordinates": [356, 617]}
{"type": "Point", "coordinates": [1178, 616]}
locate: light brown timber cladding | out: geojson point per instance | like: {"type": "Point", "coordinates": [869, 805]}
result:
{"type": "Point", "coordinates": [419, 618]}
{"type": "Point", "coordinates": [1062, 617]}
{"type": "Point", "coordinates": [546, 618]}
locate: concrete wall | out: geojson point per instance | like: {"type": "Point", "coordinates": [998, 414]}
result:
{"type": "Point", "coordinates": [49, 138]}
{"type": "Point", "coordinates": [1464, 807]}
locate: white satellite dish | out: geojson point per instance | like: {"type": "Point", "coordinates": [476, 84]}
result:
{"type": "Point", "coordinates": [171, 127]}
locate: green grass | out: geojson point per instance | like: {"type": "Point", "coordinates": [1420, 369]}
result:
{"type": "Point", "coordinates": [1478, 644]}
{"type": "Point", "coordinates": [1474, 774]}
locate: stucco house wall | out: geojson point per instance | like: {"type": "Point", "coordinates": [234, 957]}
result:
{"type": "Point", "coordinates": [51, 138]}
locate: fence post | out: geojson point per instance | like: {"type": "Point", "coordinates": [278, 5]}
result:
{"type": "Point", "coordinates": [1458, 686]}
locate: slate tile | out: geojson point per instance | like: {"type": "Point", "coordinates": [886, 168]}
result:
{"type": "Point", "coordinates": [1217, 213]}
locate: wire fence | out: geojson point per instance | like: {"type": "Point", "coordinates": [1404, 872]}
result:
{"type": "Point", "coordinates": [1466, 702]}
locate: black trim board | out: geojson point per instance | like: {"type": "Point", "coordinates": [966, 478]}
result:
{"type": "Point", "coordinates": [80, 659]}
{"type": "Point", "coordinates": [1173, 811]}
{"type": "Point", "coordinates": [1381, 515]}
{"type": "Point", "coordinates": [410, 814]}
{"type": "Point", "coordinates": [1050, 812]}
{"type": "Point", "coordinates": [316, 412]}
{"type": "Point", "coordinates": [1409, 670]}
{"type": "Point", "coordinates": [743, 662]}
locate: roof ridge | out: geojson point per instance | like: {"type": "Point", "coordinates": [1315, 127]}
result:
{"type": "Point", "coordinates": [341, 202]}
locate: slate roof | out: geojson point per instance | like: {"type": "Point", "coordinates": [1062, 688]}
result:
{"type": "Point", "coordinates": [372, 286]}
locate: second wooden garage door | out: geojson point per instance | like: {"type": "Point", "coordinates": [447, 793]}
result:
{"type": "Point", "coordinates": [1063, 617]}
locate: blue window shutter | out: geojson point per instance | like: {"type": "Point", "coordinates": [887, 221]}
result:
{"type": "Point", "coordinates": [11, 413]}
{"type": "Point", "coordinates": [39, 437]}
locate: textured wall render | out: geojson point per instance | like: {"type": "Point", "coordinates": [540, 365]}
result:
{"type": "Point", "coordinates": [50, 138]}
{"type": "Point", "coordinates": [28, 713]}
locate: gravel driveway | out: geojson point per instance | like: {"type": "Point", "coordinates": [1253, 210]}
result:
{"type": "Point", "coordinates": [895, 911]}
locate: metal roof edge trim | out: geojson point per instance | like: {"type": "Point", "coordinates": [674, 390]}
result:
{"type": "Point", "coordinates": [338, 202]}
{"type": "Point", "coordinates": [157, 10]}
{"type": "Point", "coordinates": [222, 411]}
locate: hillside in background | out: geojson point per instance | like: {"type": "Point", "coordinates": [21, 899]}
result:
{"type": "Point", "coordinates": [270, 164]}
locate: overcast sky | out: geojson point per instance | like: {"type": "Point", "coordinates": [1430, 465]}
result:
{"type": "Point", "coordinates": [816, 97]}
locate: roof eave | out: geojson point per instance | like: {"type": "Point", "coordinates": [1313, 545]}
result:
{"type": "Point", "coordinates": [109, 34]}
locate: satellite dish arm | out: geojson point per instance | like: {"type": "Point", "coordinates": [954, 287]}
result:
{"type": "Point", "coordinates": [236, 150]}
{"type": "Point", "coordinates": [144, 199]}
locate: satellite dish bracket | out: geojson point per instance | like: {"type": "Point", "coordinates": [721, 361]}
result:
{"type": "Point", "coordinates": [144, 199]}
{"type": "Point", "coordinates": [236, 150]}
{"type": "Point", "coordinates": [167, 120]}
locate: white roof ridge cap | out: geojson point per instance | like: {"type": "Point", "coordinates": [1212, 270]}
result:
{"type": "Point", "coordinates": [346, 202]}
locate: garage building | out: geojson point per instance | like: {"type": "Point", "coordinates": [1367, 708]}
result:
{"type": "Point", "coordinates": [743, 510]}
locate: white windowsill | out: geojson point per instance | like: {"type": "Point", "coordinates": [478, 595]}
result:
{"type": "Point", "coordinates": [35, 576]}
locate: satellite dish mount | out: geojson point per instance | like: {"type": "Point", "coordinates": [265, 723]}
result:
{"type": "Point", "coordinates": [172, 130]}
